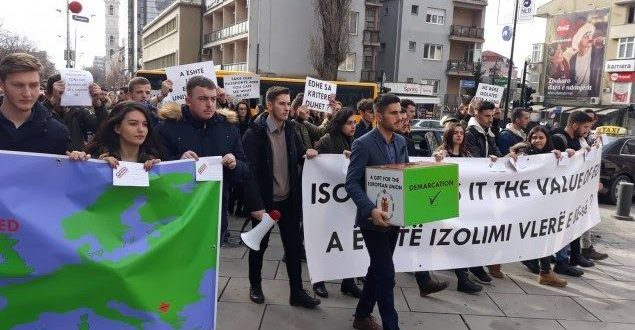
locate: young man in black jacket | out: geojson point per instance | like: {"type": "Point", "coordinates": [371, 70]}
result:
{"type": "Point", "coordinates": [275, 151]}
{"type": "Point", "coordinates": [26, 125]}
{"type": "Point", "coordinates": [79, 121]}
{"type": "Point", "coordinates": [197, 130]}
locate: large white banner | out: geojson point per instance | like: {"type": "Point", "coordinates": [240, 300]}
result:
{"type": "Point", "coordinates": [504, 216]}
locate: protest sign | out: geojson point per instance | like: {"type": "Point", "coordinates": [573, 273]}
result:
{"type": "Point", "coordinates": [180, 74]}
{"type": "Point", "coordinates": [242, 86]}
{"type": "Point", "coordinates": [318, 94]}
{"type": "Point", "coordinates": [504, 216]}
{"type": "Point", "coordinates": [76, 90]}
{"type": "Point", "coordinates": [492, 93]}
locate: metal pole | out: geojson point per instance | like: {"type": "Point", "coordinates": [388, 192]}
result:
{"type": "Point", "coordinates": [75, 48]}
{"type": "Point", "coordinates": [68, 36]}
{"type": "Point", "coordinates": [624, 202]}
{"type": "Point", "coordinates": [522, 91]}
{"type": "Point", "coordinates": [511, 64]}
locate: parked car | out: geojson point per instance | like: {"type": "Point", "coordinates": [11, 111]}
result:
{"type": "Point", "coordinates": [427, 123]}
{"type": "Point", "coordinates": [426, 140]}
{"type": "Point", "coordinates": [618, 165]}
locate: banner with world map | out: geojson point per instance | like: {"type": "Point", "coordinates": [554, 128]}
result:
{"type": "Point", "coordinates": [77, 252]}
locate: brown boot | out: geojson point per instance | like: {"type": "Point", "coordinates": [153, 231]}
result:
{"type": "Point", "coordinates": [495, 271]}
{"type": "Point", "coordinates": [550, 278]}
{"type": "Point", "coordinates": [366, 323]}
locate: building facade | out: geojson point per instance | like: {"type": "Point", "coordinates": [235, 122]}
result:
{"type": "Point", "coordinates": [172, 38]}
{"type": "Point", "coordinates": [140, 14]}
{"type": "Point", "coordinates": [610, 27]}
{"type": "Point", "coordinates": [272, 38]}
{"type": "Point", "coordinates": [433, 43]}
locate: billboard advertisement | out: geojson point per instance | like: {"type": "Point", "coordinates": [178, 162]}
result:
{"type": "Point", "coordinates": [575, 60]}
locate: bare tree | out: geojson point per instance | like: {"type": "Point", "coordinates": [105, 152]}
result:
{"type": "Point", "coordinates": [115, 74]}
{"type": "Point", "coordinates": [98, 73]}
{"type": "Point", "coordinates": [331, 43]}
{"type": "Point", "coordinates": [11, 42]}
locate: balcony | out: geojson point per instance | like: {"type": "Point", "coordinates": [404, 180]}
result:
{"type": "Point", "coordinates": [371, 38]}
{"type": "Point", "coordinates": [467, 33]}
{"type": "Point", "coordinates": [460, 68]}
{"type": "Point", "coordinates": [226, 33]}
{"type": "Point", "coordinates": [471, 3]}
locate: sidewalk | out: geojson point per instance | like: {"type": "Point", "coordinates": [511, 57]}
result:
{"type": "Point", "coordinates": [603, 298]}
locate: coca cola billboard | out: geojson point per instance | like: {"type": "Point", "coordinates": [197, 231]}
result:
{"type": "Point", "coordinates": [576, 48]}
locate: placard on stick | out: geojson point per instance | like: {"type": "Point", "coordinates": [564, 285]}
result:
{"type": "Point", "coordinates": [242, 86]}
{"type": "Point", "coordinates": [318, 94]}
{"type": "Point", "coordinates": [180, 74]}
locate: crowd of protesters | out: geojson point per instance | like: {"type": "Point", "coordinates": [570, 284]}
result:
{"type": "Point", "coordinates": [262, 158]}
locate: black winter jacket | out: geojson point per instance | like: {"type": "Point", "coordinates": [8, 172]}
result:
{"type": "Point", "coordinates": [479, 143]}
{"type": "Point", "coordinates": [259, 186]}
{"type": "Point", "coordinates": [80, 122]}
{"type": "Point", "coordinates": [41, 133]}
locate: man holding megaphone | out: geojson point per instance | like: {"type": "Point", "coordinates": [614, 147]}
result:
{"type": "Point", "coordinates": [273, 190]}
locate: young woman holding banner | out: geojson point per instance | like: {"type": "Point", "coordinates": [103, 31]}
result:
{"type": "Point", "coordinates": [539, 142]}
{"type": "Point", "coordinates": [127, 135]}
{"type": "Point", "coordinates": [453, 146]}
{"type": "Point", "coordinates": [339, 141]}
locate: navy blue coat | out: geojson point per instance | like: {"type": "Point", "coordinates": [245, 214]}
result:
{"type": "Point", "coordinates": [361, 129]}
{"type": "Point", "coordinates": [217, 136]}
{"type": "Point", "coordinates": [259, 187]}
{"type": "Point", "coordinates": [369, 150]}
{"type": "Point", "coordinates": [40, 133]}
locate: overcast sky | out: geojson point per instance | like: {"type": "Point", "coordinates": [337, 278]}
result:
{"type": "Point", "coordinates": [40, 22]}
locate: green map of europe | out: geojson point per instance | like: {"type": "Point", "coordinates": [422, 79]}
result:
{"type": "Point", "coordinates": [77, 252]}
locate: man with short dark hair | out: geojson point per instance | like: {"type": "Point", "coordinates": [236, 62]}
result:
{"type": "Point", "coordinates": [378, 147]}
{"type": "Point", "coordinates": [365, 109]}
{"type": "Point", "coordinates": [139, 90]}
{"type": "Point", "coordinates": [197, 129]}
{"type": "Point", "coordinates": [26, 125]}
{"type": "Point", "coordinates": [571, 137]}
{"type": "Point", "coordinates": [411, 109]}
{"type": "Point", "coordinates": [275, 150]}
{"type": "Point", "coordinates": [80, 122]}
{"type": "Point", "coordinates": [514, 132]}
{"type": "Point", "coordinates": [481, 142]}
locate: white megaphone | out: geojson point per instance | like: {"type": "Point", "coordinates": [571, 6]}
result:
{"type": "Point", "coordinates": [253, 237]}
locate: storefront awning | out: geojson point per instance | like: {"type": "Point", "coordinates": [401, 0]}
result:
{"type": "Point", "coordinates": [423, 99]}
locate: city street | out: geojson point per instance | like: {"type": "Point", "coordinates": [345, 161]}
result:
{"type": "Point", "coordinates": [603, 298]}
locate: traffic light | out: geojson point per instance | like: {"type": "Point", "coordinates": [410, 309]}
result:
{"type": "Point", "coordinates": [528, 92]}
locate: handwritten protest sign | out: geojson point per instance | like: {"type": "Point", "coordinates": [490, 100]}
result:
{"type": "Point", "coordinates": [490, 93]}
{"type": "Point", "coordinates": [180, 74]}
{"type": "Point", "coordinates": [318, 93]}
{"type": "Point", "coordinates": [76, 91]}
{"type": "Point", "coordinates": [242, 86]}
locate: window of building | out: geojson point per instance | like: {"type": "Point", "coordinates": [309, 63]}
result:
{"type": "Point", "coordinates": [386, 11]}
{"type": "Point", "coordinates": [625, 48]}
{"type": "Point", "coordinates": [630, 16]}
{"type": "Point", "coordinates": [432, 52]}
{"type": "Point", "coordinates": [112, 52]}
{"type": "Point", "coordinates": [348, 64]}
{"type": "Point", "coordinates": [161, 62]}
{"type": "Point", "coordinates": [168, 27]}
{"type": "Point", "coordinates": [369, 21]}
{"type": "Point", "coordinates": [352, 22]}
{"type": "Point", "coordinates": [414, 10]}
{"type": "Point", "coordinates": [111, 40]}
{"type": "Point", "coordinates": [368, 62]}
{"type": "Point", "coordinates": [412, 46]}
{"type": "Point", "coordinates": [382, 46]}
{"type": "Point", "coordinates": [433, 83]}
{"type": "Point", "coordinates": [435, 16]}
{"type": "Point", "coordinates": [111, 10]}
{"type": "Point", "coordinates": [536, 53]}
{"type": "Point", "coordinates": [409, 80]}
